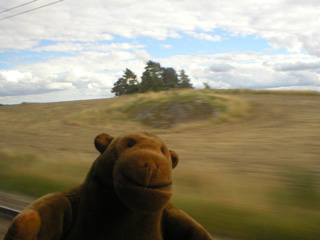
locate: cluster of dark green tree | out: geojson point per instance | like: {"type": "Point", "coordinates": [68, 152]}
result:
{"type": "Point", "coordinates": [154, 78]}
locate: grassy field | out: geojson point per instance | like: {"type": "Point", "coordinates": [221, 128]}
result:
{"type": "Point", "coordinates": [251, 172]}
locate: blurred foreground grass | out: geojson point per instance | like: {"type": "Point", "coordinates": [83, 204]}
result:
{"type": "Point", "coordinates": [33, 176]}
{"type": "Point", "coordinates": [286, 212]}
{"type": "Point", "coordinates": [245, 223]}
{"type": "Point", "coordinates": [254, 175]}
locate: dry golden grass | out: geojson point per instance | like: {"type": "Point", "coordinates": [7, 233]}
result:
{"type": "Point", "coordinates": [254, 175]}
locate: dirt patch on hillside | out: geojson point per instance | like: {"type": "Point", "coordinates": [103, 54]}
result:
{"type": "Point", "coordinates": [170, 114]}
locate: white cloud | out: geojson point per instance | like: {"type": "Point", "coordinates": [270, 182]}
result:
{"type": "Point", "coordinates": [60, 86]}
{"type": "Point", "coordinates": [298, 66]}
{"type": "Point", "coordinates": [205, 36]}
{"type": "Point", "coordinates": [143, 55]}
{"type": "Point", "coordinates": [87, 74]}
{"type": "Point", "coordinates": [77, 47]}
{"type": "Point", "coordinates": [60, 47]}
{"type": "Point", "coordinates": [13, 76]}
{"type": "Point", "coordinates": [284, 23]}
{"type": "Point", "coordinates": [221, 67]}
{"type": "Point", "coordinates": [92, 74]}
{"type": "Point", "coordinates": [166, 46]}
{"type": "Point", "coordinates": [246, 70]}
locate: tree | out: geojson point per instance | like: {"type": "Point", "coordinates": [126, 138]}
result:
{"type": "Point", "coordinates": [120, 87]}
{"type": "Point", "coordinates": [151, 79]}
{"type": "Point", "coordinates": [154, 78]}
{"type": "Point", "coordinates": [127, 84]}
{"type": "Point", "coordinates": [206, 85]}
{"type": "Point", "coordinates": [132, 81]}
{"type": "Point", "coordinates": [170, 78]}
{"type": "Point", "coordinates": [183, 80]}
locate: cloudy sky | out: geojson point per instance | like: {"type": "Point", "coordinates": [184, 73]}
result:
{"type": "Point", "coordinates": [77, 49]}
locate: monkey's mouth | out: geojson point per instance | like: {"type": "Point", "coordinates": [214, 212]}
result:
{"type": "Point", "coordinates": [145, 186]}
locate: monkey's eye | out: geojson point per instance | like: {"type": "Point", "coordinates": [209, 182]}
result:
{"type": "Point", "coordinates": [131, 143]}
{"type": "Point", "coordinates": [162, 150]}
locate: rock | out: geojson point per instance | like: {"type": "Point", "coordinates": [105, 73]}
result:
{"type": "Point", "coordinates": [170, 114]}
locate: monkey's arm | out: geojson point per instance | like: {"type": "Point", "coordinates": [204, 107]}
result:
{"type": "Point", "coordinates": [47, 218]}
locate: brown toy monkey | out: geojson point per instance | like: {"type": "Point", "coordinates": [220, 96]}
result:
{"type": "Point", "coordinates": [125, 196]}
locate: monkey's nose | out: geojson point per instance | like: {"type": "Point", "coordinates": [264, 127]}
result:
{"type": "Point", "coordinates": [150, 168]}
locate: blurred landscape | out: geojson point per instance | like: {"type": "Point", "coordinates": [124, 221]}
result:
{"type": "Point", "coordinates": [249, 160]}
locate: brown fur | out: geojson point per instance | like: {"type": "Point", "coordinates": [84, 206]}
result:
{"type": "Point", "coordinates": [125, 196]}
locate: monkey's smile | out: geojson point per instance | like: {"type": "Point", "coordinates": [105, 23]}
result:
{"type": "Point", "coordinates": [144, 186]}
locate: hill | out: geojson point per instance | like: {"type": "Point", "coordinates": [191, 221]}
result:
{"type": "Point", "coordinates": [250, 170]}
{"type": "Point", "coordinates": [164, 109]}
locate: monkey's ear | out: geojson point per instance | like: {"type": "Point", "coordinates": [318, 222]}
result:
{"type": "Point", "coordinates": [174, 158]}
{"type": "Point", "coordinates": [102, 141]}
